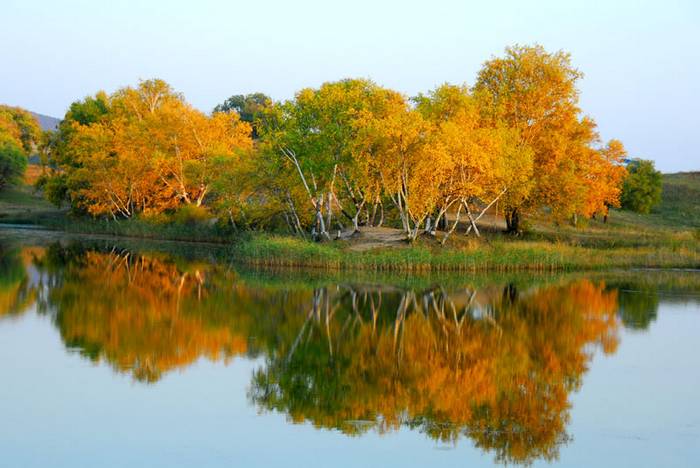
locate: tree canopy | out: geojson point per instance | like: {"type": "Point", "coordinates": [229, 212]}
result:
{"type": "Point", "coordinates": [347, 154]}
{"type": "Point", "coordinates": [142, 150]}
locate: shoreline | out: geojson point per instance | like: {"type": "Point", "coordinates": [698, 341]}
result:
{"type": "Point", "coordinates": [267, 251]}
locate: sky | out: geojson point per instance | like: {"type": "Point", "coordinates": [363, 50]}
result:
{"type": "Point", "coordinates": [641, 59]}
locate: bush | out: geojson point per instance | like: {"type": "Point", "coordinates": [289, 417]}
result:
{"type": "Point", "coordinates": [55, 188]}
{"type": "Point", "coordinates": [641, 190]}
{"type": "Point", "coordinates": [13, 163]}
{"type": "Point", "coordinates": [191, 215]}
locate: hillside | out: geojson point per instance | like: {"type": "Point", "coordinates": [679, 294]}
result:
{"type": "Point", "coordinates": [680, 205]}
{"type": "Point", "coordinates": [46, 122]}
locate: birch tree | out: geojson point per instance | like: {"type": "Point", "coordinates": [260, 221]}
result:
{"type": "Point", "coordinates": [410, 161]}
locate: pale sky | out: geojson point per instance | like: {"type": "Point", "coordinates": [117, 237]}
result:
{"type": "Point", "coordinates": [641, 59]}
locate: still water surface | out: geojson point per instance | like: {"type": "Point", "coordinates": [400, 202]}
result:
{"type": "Point", "coordinates": [117, 357]}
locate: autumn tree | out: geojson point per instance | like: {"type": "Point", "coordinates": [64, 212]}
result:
{"type": "Point", "coordinates": [484, 162]}
{"type": "Point", "coordinates": [62, 181]}
{"type": "Point", "coordinates": [405, 152]}
{"type": "Point", "coordinates": [315, 137]}
{"type": "Point", "coordinates": [143, 150]}
{"type": "Point", "coordinates": [604, 173]}
{"type": "Point", "coordinates": [20, 127]}
{"type": "Point", "coordinates": [535, 93]}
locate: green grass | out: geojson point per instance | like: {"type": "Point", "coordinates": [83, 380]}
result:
{"type": "Point", "coordinates": [273, 251]}
{"type": "Point", "coordinates": [680, 201]}
{"type": "Point", "coordinates": [20, 205]}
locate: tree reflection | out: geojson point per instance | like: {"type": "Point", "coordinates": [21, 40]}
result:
{"type": "Point", "coordinates": [144, 315]}
{"type": "Point", "coordinates": [638, 302]}
{"type": "Point", "coordinates": [16, 291]}
{"type": "Point", "coordinates": [496, 364]}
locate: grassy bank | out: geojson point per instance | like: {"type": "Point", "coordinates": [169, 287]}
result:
{"type": "Point", "coordinates": [271, 251]}
{"type": "Point", "coordinates": [668, 238]}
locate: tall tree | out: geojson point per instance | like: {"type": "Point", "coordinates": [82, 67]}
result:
{"type": "Point", "coordinates": [405, 152]}
{"type": "Point", "coordinates": [534, 92]}
{"type": "Point", "coordinates": [485, 163]}
{"type": "Point", "coordinates": [13, 162]}
{"type": "Point", "coordinates": [20, 126]}
{"type": "Point", "coordinates": [315, 136]}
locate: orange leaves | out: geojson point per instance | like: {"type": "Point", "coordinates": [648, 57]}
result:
{"type": "Point", "coordinates": [517, 137]}
{"type": "Point", "coordinates": [535, 92]}
{"type": "Point", "coordinates": [150, 152]}
{"type": "Point", "coordinates": [498, 365]}
{"type": "Point", "coordinates": [142, 315]}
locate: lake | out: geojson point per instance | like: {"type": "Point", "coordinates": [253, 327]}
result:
{"type": "Point", "coordinates": [116, 354]}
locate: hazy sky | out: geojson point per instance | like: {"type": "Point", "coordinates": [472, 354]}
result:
{"type": "Point", "coordinates": [641, 59]}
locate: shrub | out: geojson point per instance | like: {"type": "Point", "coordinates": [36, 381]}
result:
{"type": "Point", "coordinates": [191, 215]}
{"type": "Point", "coordinates": [641, 190]}
{"type": "Point", "coordinates": [13, 163]}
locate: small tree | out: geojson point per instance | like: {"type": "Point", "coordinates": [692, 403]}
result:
{"type": "Point", "coordinates": [13, 163]}
{"type": "Point", "coordinates": [249, 107]}
{"type": "Point", "coordinates": [641, 190]}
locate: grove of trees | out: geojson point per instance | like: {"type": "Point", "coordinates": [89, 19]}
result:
{"type": "Point", "coordinates": [348, 154]}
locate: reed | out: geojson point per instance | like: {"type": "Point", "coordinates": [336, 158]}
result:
{"type": "Point", "coordinates": [502, 256]}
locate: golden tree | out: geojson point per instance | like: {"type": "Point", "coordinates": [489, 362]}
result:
{"type": "Point", "coordinates": [535, 93]}
{"type": "Point", "coordinates": [149, 151]}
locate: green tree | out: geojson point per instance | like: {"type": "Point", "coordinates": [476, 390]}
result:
{"type": "Point", "coordinates": [58, 154]}
{"type": "Point", "coordinates": [249, 107]}
{"type": "Point", "coordinates": [315, 139]}
{"type": "Point", "coordinates": [641, 190]}
{"type": "Point", "coordinates": [13, 163]}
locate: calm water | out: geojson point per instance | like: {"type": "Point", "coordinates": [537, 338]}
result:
{"type": "Point", "coordinates": [115, 357]}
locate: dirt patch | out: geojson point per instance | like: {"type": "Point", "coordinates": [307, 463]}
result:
{"type": "Point", "coordinates": [375, 238]}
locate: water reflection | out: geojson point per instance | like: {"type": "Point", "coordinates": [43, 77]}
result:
{"type": "Point", "coordinates": [496, 363]}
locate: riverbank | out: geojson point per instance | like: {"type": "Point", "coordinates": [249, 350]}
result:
{"type": "Point", "coordinates": [661, 240]}
{"type": "Point", "coordinates": [494, 254]}
{"type": "Point", "coordinates": [474, 256]}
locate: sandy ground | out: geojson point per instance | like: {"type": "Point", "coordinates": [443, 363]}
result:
{"type": "Point", "coordinates": [376, 237]}
{"type": "Point", "coordinates": [382, 237]}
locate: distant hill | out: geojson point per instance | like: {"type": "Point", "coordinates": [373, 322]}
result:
{"type": "Point", "coordinates": [46, 122]}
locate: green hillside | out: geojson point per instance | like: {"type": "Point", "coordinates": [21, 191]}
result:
{"type": "Point", "coordinates": [680, 202]}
